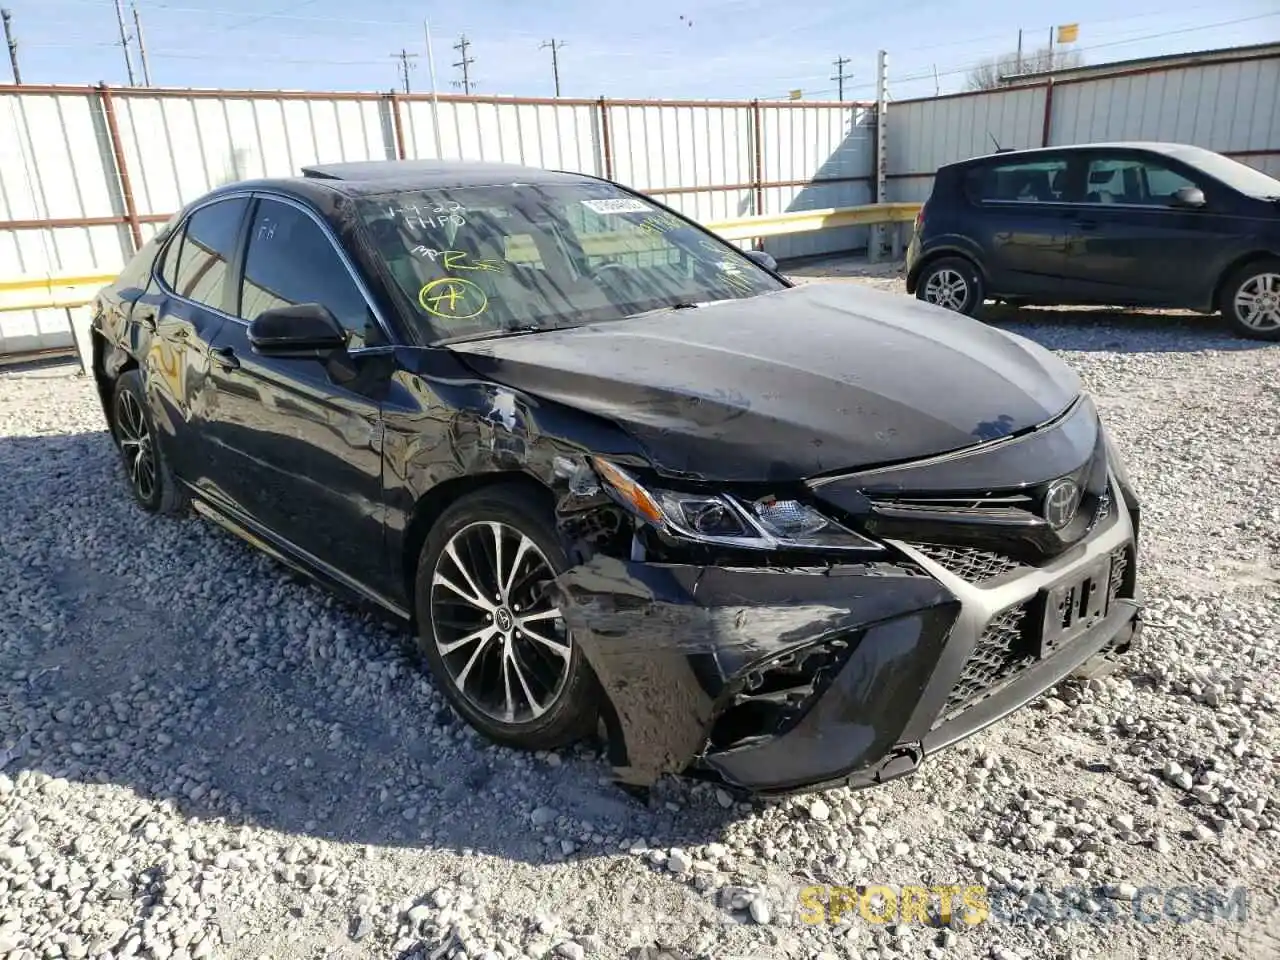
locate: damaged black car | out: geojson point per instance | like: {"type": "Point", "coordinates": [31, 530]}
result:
{"type": "Point", "coordinates": [617, 473]}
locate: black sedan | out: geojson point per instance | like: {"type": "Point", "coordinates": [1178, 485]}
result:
{"type": "Point", "coordinates": [614, 471]}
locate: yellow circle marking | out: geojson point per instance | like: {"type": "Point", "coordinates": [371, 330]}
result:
{"type": "Point", "coordinates": [451, 297]}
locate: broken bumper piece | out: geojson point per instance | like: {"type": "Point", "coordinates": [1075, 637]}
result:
{"type": "Point", "coordinates": [784, 680]}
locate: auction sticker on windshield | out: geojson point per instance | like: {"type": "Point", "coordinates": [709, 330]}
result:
{"type": "Point", "coordinates": [617, 205]}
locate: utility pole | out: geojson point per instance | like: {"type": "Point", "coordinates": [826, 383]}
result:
{"type": "Point", "coordinates": [1019, 70]}
{"type": "Point", "coordinates": [404, 56]}
{"type": "Point", "coordinates": [555, 46]}
{"type": "Point", "coordinates": [124, 42]}
{"type": "Point", "coordinates": [142, 47]}
{"type": "Point", "coordinates": [13, 44]}
{"type": "Point", "coordinates": [465, 64]}
{"type": "Point", "coordinates": [839, 78]}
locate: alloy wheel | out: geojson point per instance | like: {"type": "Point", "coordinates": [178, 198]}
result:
{"type": "Point", "coordinates": [136, 445]}
{"type": "Point", "coordinates": [1257, 302]}
{"type": "Point", "coordinates": [502, 640]}
{"type": "Point", "coordinates": [947, 288]}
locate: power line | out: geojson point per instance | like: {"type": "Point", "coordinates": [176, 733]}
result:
{"type": "Point", "coordinates": [555, 46]}
{"type": "Point", "coordinates": [404, 56]}
{"type": "Point", "coordinates": [464, 63]}
{"type": "Point", "coordinates": [933, 73]}
{"type": "Point", "coordinates": [839, 77]}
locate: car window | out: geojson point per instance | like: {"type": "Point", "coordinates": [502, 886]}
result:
{"type": "Point", "coordinates": [169, 259]}
{"type": "Point", "coordinates": [208, 244]}
{"type": "Point", "coordinates": [487, 259]}
{"type": "Point", "coordinates": [1040, 181]}
{"type": "Point", "coordinates": [291, 260]}
{"type": "Point", "coordinates": [1132, 181]}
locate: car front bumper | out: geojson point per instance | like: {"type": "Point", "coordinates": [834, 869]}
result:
{"type": "Point", "coordinates": [777, 680]}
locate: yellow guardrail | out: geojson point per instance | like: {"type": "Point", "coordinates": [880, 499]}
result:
{"type": "Point", "coordinates": [807, 221]}
{"type": "Point", "coordinates": [40, 293]}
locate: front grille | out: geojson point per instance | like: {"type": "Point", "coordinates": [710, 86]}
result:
{"type": "Point", "coordinates": [1000, 654]}
{"type": "Point", "coordinates": [968, 563]}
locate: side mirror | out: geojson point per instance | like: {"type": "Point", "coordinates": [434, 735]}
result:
{"type": "Point", "coordinates": [762, 258]}
{"type": "Point", "coordinates": [306, 329]}
{"type": "Point", "coordinates": [1188, 197]}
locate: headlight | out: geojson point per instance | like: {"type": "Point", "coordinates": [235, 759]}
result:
{"type": "Point", "coordinates": [764, 524]}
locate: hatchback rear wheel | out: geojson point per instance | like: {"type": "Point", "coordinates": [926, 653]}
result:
{"type": "Point", "coordinates": [491, 630]}
{"type": "Point", "coordinates": [1251, 300]}
{"type": "Point", "coordinates": [952, 283]}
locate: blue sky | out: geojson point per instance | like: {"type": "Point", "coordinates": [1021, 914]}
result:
{"type": "Point", "coordinates": [721, 48]}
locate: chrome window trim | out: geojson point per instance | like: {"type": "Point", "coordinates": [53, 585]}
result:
{"type": "Point", "coordinates": [259, 194]}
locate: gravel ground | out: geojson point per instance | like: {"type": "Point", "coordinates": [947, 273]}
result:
{"type": "Point", "coordinates": [201, 756]}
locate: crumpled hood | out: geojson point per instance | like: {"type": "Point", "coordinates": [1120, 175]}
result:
{"type": "Point", "coordinates": [812, 379]}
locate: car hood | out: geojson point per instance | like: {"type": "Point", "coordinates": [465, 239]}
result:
{"type": "Point", "coordinates": [812, 379]}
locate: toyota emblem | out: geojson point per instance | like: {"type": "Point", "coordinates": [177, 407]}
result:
{"type": "Point", "coordinates": [1061, 502]}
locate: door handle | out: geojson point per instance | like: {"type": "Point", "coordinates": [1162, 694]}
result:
{"type": "Point", "coordinates": [226, 358]}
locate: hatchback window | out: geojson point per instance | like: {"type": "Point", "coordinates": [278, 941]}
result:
{"type": "Point", "coordinates": [291, 260]}
{"type": "Point", "coordinates": [207, 248]}
{"type": "Point", "coordinates": [1042, 181]}
{"type": "Point", "coordinates": [488, 259]}
{"type": "Point", "coordinates": [1132, 181]}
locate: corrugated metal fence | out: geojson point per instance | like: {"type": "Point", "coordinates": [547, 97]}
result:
{"type": "Point", "coordinates": [87, 174]}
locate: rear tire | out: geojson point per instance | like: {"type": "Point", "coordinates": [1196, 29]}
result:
{"type": "Point", "coordinates": [146, 470]}
{"type": "Point", "coordinates": [488, 630]}
{"type": "Point", "coordinates": [1250, 300]}
{"type": "Point", "coordinates": [952, 283]}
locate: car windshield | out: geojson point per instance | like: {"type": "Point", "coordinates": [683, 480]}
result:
{"type": "Point", "coordinates": [1236, 175]}
{"type": "Point", "coordinates": [482, 260]}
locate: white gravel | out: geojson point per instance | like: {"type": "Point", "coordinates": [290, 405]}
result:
{"type": "Point", "coordinates": [201, 756]}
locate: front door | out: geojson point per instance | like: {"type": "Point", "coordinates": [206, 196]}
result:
{"type": "Point", "coordinates": [304, 433]}
{"type": "Point", "coordinates": [1131, 244]}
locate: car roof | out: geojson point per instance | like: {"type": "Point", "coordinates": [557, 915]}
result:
{"type": "Point", "coordinates": [1181, 150]}
{"type": "Point", "coordinates": [371, 177]}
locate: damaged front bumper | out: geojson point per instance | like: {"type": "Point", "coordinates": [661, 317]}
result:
{"type": "Point", "coordinates": [781, 680]}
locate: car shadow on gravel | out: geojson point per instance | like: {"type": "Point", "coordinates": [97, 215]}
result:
{"type": "Point", "coordinates": [1116, 330]}
{"type": "Point", "coordinates": [168, 658]}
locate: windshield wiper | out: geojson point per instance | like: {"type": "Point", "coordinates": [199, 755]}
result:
{"type": "Point", "coordinates": [681, 305]}
{"type": "Point", "coordinates": [515, 329]}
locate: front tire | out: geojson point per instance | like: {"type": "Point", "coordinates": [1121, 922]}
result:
{"type": "Point", "coordinates": [150, 479]}
{"type": "Point", "coordinates": [1250, 300]}
{"type": "Point", "coordinates": [952, 283]}
{"type": "Point", "coordinates": [490, 632]}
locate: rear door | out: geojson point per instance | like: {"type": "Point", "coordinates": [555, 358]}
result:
{"type": "Point", "coordinates": [1022, 220]}
{"type": "Point", "coordinates": [1131, 244]}
{"type": "Point", "coordinates": [303, 436]}
{"type": "Point", "coordinates": [184, 311]}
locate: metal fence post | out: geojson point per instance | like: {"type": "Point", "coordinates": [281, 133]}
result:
{"type": "Point", "coordinates": [606, 146]}
{"type": "Point", "coordinates": [122, 169]}
{"type": "Point", "coordinates": [875, 241]}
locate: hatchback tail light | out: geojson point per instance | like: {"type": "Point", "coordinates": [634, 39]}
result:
{"type": "Point", "coordinates": [920, 219]}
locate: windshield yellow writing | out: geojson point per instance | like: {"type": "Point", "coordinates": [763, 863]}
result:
{"type": "Point", "coordinates": [458, 260]}
{"type": "Point", "coordinates": [452, 298]}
